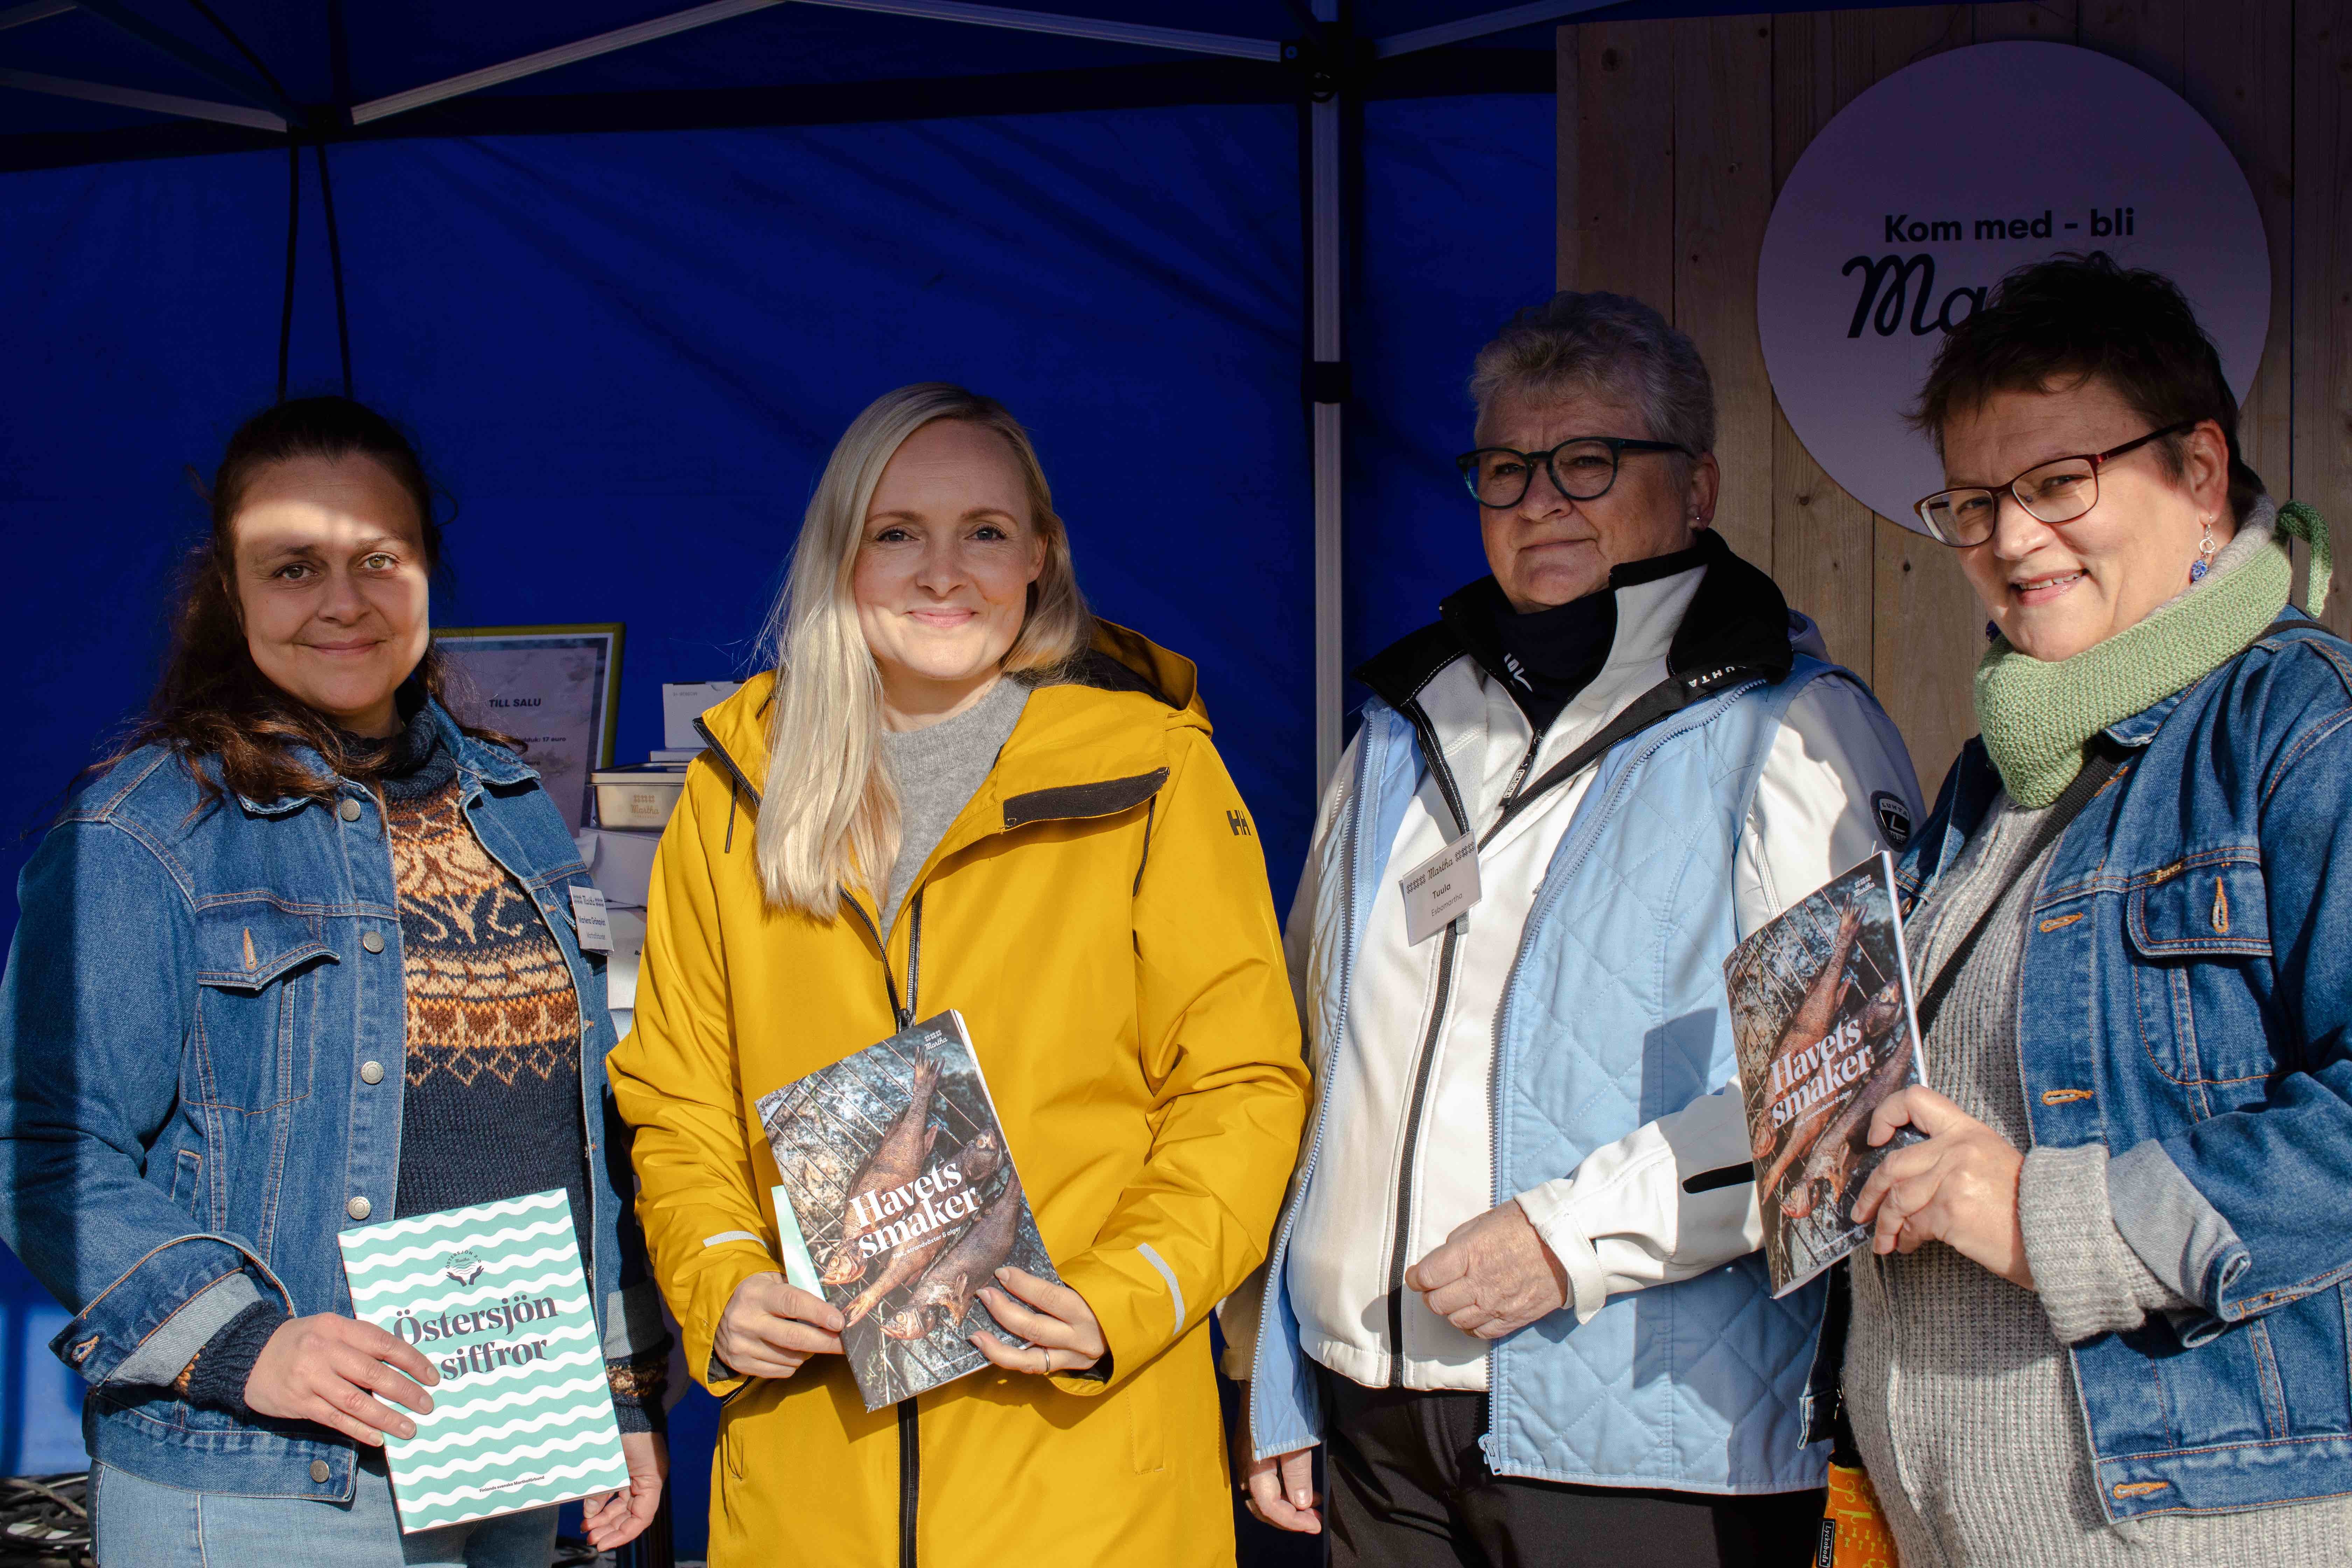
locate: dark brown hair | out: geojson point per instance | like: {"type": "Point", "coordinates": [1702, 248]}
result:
{"type": "Point", "coordinates": [2073, 317]}
{"type": "Point", "coordinates": [212, 702]}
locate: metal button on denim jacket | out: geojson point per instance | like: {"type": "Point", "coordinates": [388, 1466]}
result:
{"type": "Point", "coordinates": [195, 996]}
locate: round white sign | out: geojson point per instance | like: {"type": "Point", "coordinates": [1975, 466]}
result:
{"type": "Point", "coordinates": [1930, 186]}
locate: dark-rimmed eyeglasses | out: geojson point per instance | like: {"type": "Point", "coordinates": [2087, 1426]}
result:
{"type": "Point", "coordinates": [1582, 468]}
{"type": "Point", "coordinates": [2059, 490]}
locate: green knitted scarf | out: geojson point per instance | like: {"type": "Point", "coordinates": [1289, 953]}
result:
{"type": "Point", "coordinates": [2036, 717]}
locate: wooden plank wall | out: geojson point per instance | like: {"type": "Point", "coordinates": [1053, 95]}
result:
{"type": "Point", "coordinates": [1675, 138]}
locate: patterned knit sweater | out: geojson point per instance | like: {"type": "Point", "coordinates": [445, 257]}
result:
{"type": "Point", "coordinates": [491, 1105]}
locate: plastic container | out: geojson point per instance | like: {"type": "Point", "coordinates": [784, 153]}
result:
{"type": "Point", "coordinates": [621, 860]}
{"type": "Point", "coordinates": [636, 797]}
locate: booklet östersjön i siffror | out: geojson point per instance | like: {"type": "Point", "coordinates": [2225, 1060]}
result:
{"type": "Point", "coordinates": [1822, 1014]}
{"type": "Point", "coordinates": [495, 1297]}
{"type": "Point", "coordinates": [905, 1202]}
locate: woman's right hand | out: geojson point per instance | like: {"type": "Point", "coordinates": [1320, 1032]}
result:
{"type": "Point", "coordinates": [327, 1368]}
{"type": "Point", "coordinates": [770, 1328]}
{"type": "Point", "coordinates": [1282, 1492]}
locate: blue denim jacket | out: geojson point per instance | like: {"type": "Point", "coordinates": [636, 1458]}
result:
{"type": "Point", "coordinates": [2188, 976]}
{"type": "Point", "coordinates": [185, 1125]}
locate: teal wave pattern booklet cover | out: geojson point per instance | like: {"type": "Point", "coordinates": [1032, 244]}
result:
{"type": "Point", "coordinates": [494, 1297]}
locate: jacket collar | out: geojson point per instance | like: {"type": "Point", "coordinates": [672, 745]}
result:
{"type": "Point", "coordinates": [1738, 622]}
{"type": "Point", "coordinates": [493, 765]}
{"type": "Point", "coordinates": [2141, 726]}
{"type": "Point", "coordinates": [1083, 747]}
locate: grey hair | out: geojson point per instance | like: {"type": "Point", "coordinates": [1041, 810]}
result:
{"type": "Point", "coordinates": [1607, 344]}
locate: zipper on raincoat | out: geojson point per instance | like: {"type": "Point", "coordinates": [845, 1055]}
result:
{"type": "Point", "coordinates": [910, 1436]}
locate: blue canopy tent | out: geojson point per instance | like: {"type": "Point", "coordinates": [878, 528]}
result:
{"type": "Point", "coordinates": [628, 273]}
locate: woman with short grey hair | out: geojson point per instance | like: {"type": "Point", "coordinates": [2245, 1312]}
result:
{"type": "Point", "coordinates": [1607, 340]}
{"type": "Point", "coordinates": [1501, 1293]}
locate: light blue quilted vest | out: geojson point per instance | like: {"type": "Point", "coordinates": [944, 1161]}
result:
{"type": "Point", "coordinates": [1613, 1016]}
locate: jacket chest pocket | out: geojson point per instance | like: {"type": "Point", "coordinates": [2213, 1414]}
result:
{"type": "Point", "coordinates": [2198, 930]}
{"type": "Point", "coordinates": [257, 985]}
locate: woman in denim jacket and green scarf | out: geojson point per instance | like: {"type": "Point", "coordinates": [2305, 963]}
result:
{"type": "Point", "coordinates": [2130, 1345]}
{"type": "Point", "coordinates": [300, 956]}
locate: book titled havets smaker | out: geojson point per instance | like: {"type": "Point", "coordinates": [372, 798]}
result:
{"type": "Point", "coordinates": [493, 1295]}
{"type": "Point", "coordinates": [896, 1173]}
{"type": "Point", "coordinates": [1822, 1016]}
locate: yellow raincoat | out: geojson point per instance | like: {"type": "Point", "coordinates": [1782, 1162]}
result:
{"type": "Point", "coordinates": [1099, 915]}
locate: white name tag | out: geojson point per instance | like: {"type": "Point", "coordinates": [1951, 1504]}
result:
{"type": "Point", "coordinates": [588, 916]}
{"type": "Point", "coordinates": [1439, 889]}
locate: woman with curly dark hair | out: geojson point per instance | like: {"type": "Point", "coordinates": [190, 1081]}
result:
{"type": "Point", "coordinates": [2105, 1318]}
{"type": "Point", "coordinates": [297, 955]}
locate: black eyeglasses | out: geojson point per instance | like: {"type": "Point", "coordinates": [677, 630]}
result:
{"type": "Point", "coordinates": [2059, 490]}
{"type": "Point", "coordinates": [1582, 468]}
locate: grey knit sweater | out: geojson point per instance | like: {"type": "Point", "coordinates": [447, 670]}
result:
{"type": "Point", "coordinates": [1957, 1382]}
{"type": "Point", "coordinates": [938, 769]}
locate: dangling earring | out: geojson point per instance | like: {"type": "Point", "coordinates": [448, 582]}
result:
{"type": "Point", "coordinates": [2205, 548]}
{"type": "Point", "coordinates": [1992, 632]}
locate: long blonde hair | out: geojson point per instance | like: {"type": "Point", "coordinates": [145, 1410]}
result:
{"type": "Point", "coordinates": [829, 815]}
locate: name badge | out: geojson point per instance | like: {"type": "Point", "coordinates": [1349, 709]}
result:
{"type": "Point", "coordinates": [595, 930]}
{"type": "Point", "coordinates": [1441, 889]}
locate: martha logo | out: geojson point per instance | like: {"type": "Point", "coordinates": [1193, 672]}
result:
{"type": "Point", "coordinates": [464, 1268]}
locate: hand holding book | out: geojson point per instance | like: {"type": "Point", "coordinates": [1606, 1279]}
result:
{"type": "Point", "coordinates": [612, 1519]}
{"type": "Point", "coordinates": [329, 1369]}
{"type": "Point", "coordinates": [1061, 1328]}
{"type": "Point", "coordinates": [1958, 1187]}
{"type": "Point", "coordinates": [771, 1327]}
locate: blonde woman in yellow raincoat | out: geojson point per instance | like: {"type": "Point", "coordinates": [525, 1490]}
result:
{"type": "Point", "coordinates": [965, 792]}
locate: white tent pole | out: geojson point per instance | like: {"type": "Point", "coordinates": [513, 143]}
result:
{"type": "Point", "coordinates": [1480, 26]}
{"type": "Point", "coordinates": [1180, 38]}
{"type": "Point", "coordinates": [18, 15]}
{"type": "Point", "coordinates": [131, 98]}
{"type": "Point", "coordinates": [1324, 129]}
{"type": "Point", "coordinates": [548, 59]}
{"type": "Point", "coordinates": [720, 10]}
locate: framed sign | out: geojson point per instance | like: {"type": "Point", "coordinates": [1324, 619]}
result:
{"type": "Point", "coordinates": [555, 689]}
